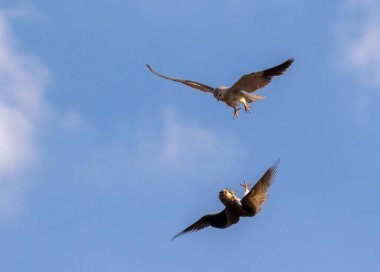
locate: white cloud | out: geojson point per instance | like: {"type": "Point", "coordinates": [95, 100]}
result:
{"type": "Point", "coordinates": [160, 146]}
{"type": "Point", "coordinates": [22, 83]}
{"type": "Point", "coordinates": [360, 25]}
{"type": "Point", "coordinates": [185, 144]}
{"type": "Point", "coordinates": [72, 120]}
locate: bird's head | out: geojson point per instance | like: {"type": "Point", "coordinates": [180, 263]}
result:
{"type": "Point", "coordinates": [219, 92]}
{"type": "Point", "coordinates": [227, 196]}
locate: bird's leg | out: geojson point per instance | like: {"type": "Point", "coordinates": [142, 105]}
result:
{"type": "Point", "coordinates": [236, 113]}
{"type": "Point", "coordinates": [246, 187]}
{"type": "Point", "coordinates": [247, 108]}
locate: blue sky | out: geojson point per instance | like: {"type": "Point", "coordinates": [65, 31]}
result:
{"type": "Point", "coordinates": [101, 162]}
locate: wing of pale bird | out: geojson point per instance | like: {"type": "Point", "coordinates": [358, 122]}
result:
{"type": "Point", "coordinates": [257, 80]}
{"type": "Point", "coordinates": [218, 219]}
{"type": "Point", "coordinates": [192, 84]}
{"type": "Point", "coordinates": [253, 201]}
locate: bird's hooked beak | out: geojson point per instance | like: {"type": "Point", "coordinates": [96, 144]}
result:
{"type": "Point", "coordinates": [216, 94]}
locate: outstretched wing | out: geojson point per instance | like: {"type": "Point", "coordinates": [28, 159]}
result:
{"type": "Point", "coordinates": [218, 220]}
{"type": "Point", "coordinates": [255, 198]}
{"type": "Point", "coordinates": [192, 84]}
{"type": "Point", "coordinates": [257, 80]}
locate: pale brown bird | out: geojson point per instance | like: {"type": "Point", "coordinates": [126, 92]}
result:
{"type": "Point", "coordinates": [240, 92]}
{"type": "Point", "coordinates": [248, 206]}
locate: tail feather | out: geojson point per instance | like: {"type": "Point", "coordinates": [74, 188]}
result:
{"type": "Point", "coordinates": [252, 97]}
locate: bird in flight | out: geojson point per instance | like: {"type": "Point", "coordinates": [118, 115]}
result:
{"type": "Point", "coordinates": [241, 91]}
{"type": "Point", "coordinates": [248, 206]}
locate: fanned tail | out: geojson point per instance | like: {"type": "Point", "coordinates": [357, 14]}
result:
{"type": "Point", "coordinates": [252, 97]}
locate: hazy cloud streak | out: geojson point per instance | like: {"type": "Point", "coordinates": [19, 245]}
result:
{"type": "Point", "coordinates": [22, 83]}
{"type": "Point", "coordinates": [361, 39]}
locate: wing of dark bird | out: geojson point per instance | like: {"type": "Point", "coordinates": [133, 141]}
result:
{"type": "Point", "coordinates": [255, 198]}
{"type": "Point", "coordinates": [218, 220]}
{"type": "Point", "coordinates": [257, 80]}
{"type": "Point", "coordinates": [192, 84]}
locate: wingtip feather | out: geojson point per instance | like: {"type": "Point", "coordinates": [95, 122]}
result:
{"type": "Point", "coordinates": [274, 167]}
{"type": "Point", "coordinates": [276, 163]}
{"type": "Point", "coordinates": [150, 68]}
{"type": "Point", "coordinates": [177, 235]}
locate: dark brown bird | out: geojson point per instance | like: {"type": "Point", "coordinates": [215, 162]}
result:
{"type": "Point", "coordinates": [248, 206]}
{"type": "Point", "coordinates": [240, 91]}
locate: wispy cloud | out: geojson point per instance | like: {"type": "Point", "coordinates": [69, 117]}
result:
{"type": "Point", "coordinates": [360, 39]}
{"type": "Point", "coordinates": [22, 83]}
{"type": "Point", "coordinates": [185, 145]}
{"type": "Point", "coordinates": [72, 120]}
{"type": "Point", "coordinates": [160, 146]}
